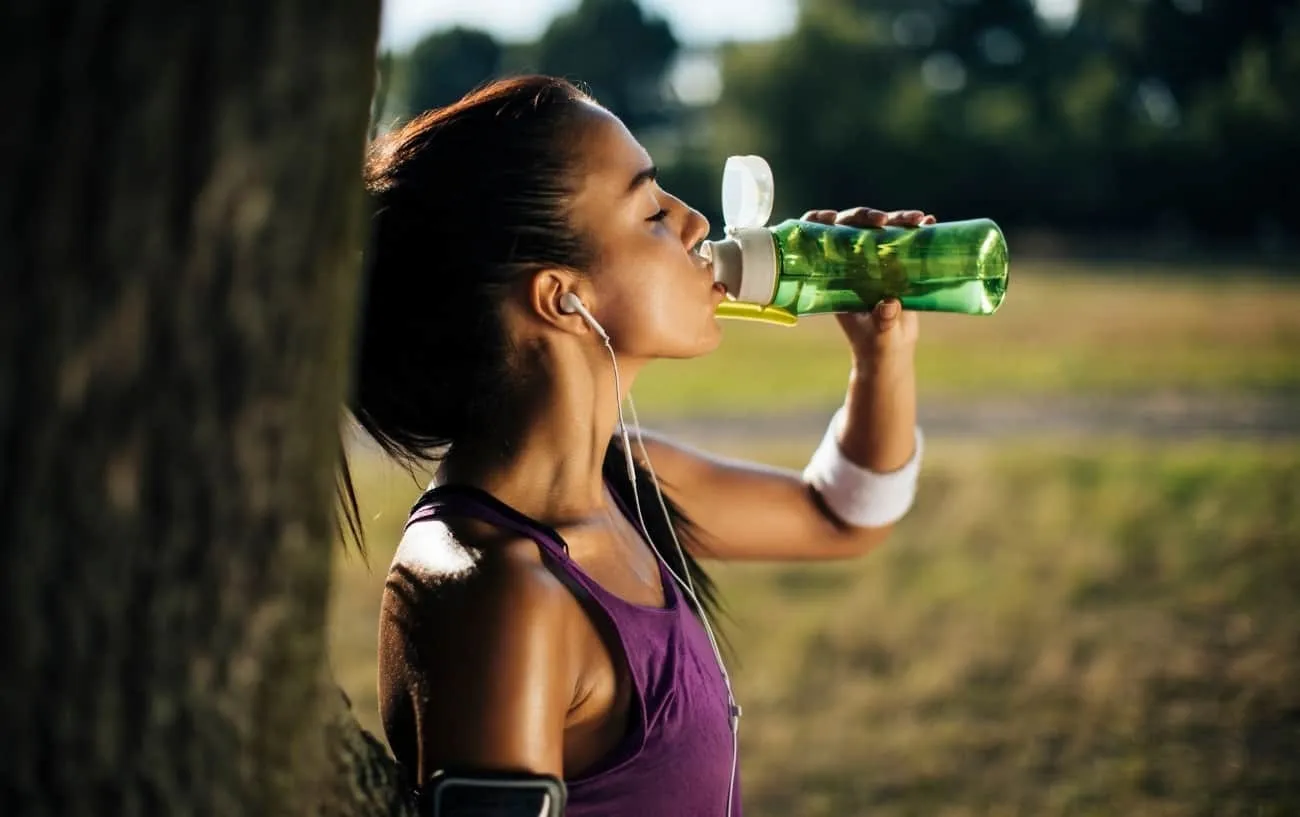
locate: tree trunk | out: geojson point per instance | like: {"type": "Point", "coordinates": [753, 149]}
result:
{"type": "Point", "coordinates": [178, 236]}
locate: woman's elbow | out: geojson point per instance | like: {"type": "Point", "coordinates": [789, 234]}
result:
{"type": "Point", "coordinates": [852, 541]}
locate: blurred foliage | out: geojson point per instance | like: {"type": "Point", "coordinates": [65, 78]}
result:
{"type": "Point", "coordinates": [1180, 115]}
{"type": "Point", "coordinates": [610, 47]}
{"type": "Point", "coordinates": [1176, 113]}
{"type": "Point", "coordinates": [617, 52]}
{"type": "Point", "coordinates": [447, 64]}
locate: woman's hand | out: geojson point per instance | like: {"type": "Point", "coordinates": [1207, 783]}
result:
{"type": "Point", "coordinates": [881, 399]}
{"type": "Point", "coordinates": [888, 330]}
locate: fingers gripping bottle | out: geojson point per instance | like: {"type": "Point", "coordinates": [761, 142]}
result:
{"type": "Point", "coordinates": [776, 274]}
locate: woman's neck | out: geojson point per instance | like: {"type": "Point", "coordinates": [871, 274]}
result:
{"type": "Point", "coordinates": [551, 468]}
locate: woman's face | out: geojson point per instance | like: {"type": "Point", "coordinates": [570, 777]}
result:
{"type": "Point", "coordinates": [650, 290]}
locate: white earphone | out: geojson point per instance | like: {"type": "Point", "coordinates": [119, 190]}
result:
{"type": "Point", "coordinates": [571, 304]}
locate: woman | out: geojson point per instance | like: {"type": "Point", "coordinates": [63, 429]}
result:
{"type": "Point", "coordinates": [527, 622]}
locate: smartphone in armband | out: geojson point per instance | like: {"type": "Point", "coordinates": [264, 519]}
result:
{"type": "Point", "coordinates": [458, 793]}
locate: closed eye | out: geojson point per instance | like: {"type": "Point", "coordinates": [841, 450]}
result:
{"type": "Point", "coordinates": [659, 216]}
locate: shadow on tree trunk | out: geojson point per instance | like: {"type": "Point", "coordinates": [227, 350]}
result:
{"type": "Point", "coordinates": [364, 780]}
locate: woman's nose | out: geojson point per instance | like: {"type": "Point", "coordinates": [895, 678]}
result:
{"type": "Point", "coordinates": [697, 227]}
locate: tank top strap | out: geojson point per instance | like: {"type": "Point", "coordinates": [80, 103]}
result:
{"type": "Point", "coordinates": [443, 501]}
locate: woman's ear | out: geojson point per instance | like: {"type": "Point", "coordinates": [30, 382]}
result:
{"type": "Point", "coordinates": [546, 299]}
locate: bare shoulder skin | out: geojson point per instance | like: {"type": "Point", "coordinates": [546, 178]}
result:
{"type": "Point", "coordinates": [486, 659]}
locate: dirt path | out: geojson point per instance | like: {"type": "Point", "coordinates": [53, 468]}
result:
{"type": "Point", "coordinates": [1266, 417]}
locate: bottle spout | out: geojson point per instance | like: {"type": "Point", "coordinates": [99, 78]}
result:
{"type": "Point", "coordinates": [726, 263]}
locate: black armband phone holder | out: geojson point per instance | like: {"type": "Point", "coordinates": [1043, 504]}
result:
{"type": "Point", "coordinates": [491, 793]}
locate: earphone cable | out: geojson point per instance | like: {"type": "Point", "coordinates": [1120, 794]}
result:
{"type": "Point", "coordinates": [733, 709]}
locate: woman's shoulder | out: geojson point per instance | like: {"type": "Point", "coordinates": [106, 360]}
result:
{"type": "Point", "coordinates": [482, 576]}
{"type": "Point", "coordinates": [473, 634]}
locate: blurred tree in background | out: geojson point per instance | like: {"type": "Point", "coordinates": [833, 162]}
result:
{"type": "Point", "coordinates": [446, 64]}
{"type": "Point", "coordinates": [1117, 116]}
{"type": "Point", "coordinates": [619, 53]}
{"type": "Point", "coordinates": [609, 46]}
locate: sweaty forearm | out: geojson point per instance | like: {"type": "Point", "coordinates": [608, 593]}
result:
{"type": "Point", "coordinates": [880, 415]}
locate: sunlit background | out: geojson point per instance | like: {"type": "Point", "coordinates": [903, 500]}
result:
{"type": "Point", "coordinates": [1094, 607]}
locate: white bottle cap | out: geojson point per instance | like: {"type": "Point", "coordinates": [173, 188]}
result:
{"type": "Point", "coordinates": [747, 192]}
{"type": "Point", "coordinates": [745, 261]}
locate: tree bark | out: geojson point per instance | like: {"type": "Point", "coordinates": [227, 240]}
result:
{"type": "Point", "coordinates": [362, 779]}
{"type": "Point", "coordinates": [178, 244]}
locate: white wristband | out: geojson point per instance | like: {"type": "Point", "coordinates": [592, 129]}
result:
{"type": "Point", "coordinates": [859, 496]}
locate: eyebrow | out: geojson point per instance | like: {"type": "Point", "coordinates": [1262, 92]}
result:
{"type": "Point", "coordinates": [648, 175]}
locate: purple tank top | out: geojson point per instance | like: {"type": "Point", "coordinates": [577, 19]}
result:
{"type": "Point", "coordinates": [675, 759]}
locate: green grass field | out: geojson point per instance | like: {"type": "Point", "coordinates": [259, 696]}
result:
{"type": "Point", "coordinates": [1051, 632]}
{"type": "Point", "coordinates": [1060, 627]}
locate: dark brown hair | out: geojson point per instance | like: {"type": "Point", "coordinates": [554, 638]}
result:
{"type": "Point", "coordinates": [467, 201]}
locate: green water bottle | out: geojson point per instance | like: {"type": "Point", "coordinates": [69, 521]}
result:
{"type": "Point", "coordinates": [776, 274]}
